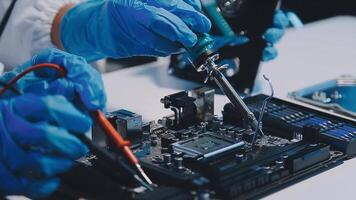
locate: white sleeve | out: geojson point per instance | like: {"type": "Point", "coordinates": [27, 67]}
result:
{"type": "Point", "coordinates": [28, 30]}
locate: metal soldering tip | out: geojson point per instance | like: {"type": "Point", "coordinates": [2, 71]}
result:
{"type": "Point", "coordinates": [144, 175]}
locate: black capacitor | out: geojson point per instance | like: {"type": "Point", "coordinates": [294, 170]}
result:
{"type": "Point", "coordinates": [231, 134]}
{"type": "Point", "coordinates": [239, 157]}
{"type": "Point", "coordinates": [177, 154]}
{"type": "Point", "coordinates": [279, 162]}
{"type": "Point", "coordinates": [167, 158]}
{"type": "Point", "coordinates": [215, 125]}
{"type": "Point", "coordinates": [230, 115]}
{"type": "Point", "coordinates": [311, 133]}
{"type": "Point", "coordinates": [167, 140]}
{"type": "Point", "coordinates": [222, 130]}
{"type": "Point", "coordinates": [248, 136]}
{"type": "Point", "coordinates": [238, 135]}
{"type": "Point", "coordinates": [145, 136]}
{"type": "Point", "coordinates": [178, 162]}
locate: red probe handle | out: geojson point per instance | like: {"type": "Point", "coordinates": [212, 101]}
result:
{"type": "Point", "coordinates": [111, 132]}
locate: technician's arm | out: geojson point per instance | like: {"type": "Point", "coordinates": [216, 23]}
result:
{"type": "Point", "coordinates": [28, 30]}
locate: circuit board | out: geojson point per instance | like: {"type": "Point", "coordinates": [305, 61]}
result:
{"type": "Point", "coordinates": [194, 154]}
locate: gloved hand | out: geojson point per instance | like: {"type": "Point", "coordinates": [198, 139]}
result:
{"type": "Point", "coordinates": [272, 36]}
{"type": "Point", "coordinates": [81, 80]}
{"type": "Point", "coordinates": [36, 143]}
{"type": "Point", "coordinates": [123, 28]}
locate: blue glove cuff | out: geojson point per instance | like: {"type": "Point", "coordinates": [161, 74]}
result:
{"type": "Point", "coordinates": [78, 27]}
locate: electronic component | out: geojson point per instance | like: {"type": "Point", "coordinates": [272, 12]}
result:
{"type": "Point", "coordinates": [183, 107]}
{"type": "Point", "coordinates": [125, 122]}
{"type": "Point", "coordinates": [218, 159]}
{"type": "Point", "coordinates": [204, 101]}
{"type": "Point", "coordinates": [189, 108]}
{"type": "Point", "coordinates": [292, 119]}
{"type": "Point", "coordinates": [336, 95]}
{"type": "Point", "coordinates": [204, 61]}
{"type": "Point", "coordinates": [129, 125]}
{"type": "Point", "coordinates": [206, 145]}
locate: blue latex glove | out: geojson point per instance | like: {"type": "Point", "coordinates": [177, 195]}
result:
{"type": "Point", "coordinates": [82, 80]}
{"type": "Point", "coordinates": [36, 143]}
{"type": "Point", "coordinates": [272, 36]}
{"type": "Point", "coordinates": [123, 28]}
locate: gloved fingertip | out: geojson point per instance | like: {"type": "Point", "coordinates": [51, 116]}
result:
{"type": "Point", "coordinates": [195, 3]}
{"type": "Point", "coordinates": [205, 24]}
{"type": "Point", "coordinates": [84, 151]}
{"type": "Point", "coordinates": [295, 21]}
{"type": "Point", "coordinates": [190, 40]}
{"type": "Point", "coordinates": [49, 166]}
{"type": "Point", "coordinates": [41, 189]}
{"type": "Point", "coordinates": [240, 40]}
{"type": "Point", "coordinates": [273, 35]}
{"type": "Point", "coordinates": [45, 56]}
{"type": "Point", "coordinates": [80, 151]}
{"type": "Point", "coordinates": [280, 19]}
{"type": "Point", "coordinates": [269, 53]}
{"type": "Point", "coordinates": [94, 103]}
{"type": "Point", "coordinates": [198, 23]}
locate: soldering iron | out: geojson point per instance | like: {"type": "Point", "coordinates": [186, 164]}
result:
{"type": "Point", "coordinates": [204, 59]}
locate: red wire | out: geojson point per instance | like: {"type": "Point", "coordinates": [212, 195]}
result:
{"type": "Point", "coordinates": [61, 70]}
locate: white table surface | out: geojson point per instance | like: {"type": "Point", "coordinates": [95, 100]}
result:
{"type": "Point", "coordinates": [316, 53]}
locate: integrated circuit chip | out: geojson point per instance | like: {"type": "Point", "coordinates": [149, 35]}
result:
{"type": "Point", "coordinates": [206, 145]}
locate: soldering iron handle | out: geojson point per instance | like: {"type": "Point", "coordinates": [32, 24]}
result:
{"type": "Point", "coordinates": [235, 99]}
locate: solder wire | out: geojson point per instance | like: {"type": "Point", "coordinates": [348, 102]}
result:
{"type": "Point", "coordinates": [263, 108]}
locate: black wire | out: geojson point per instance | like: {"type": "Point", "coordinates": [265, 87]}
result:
{"type": "Point", "coordinates": [12, 88]}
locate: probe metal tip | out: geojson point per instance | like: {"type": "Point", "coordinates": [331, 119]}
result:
{"type": "Point", "coordinates": [143, 183]}
{"type": "Point", "coordinates": [144, 175]}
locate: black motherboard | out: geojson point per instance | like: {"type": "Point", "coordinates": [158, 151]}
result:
{"type": "Point", "coordinates": [194, 154]}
